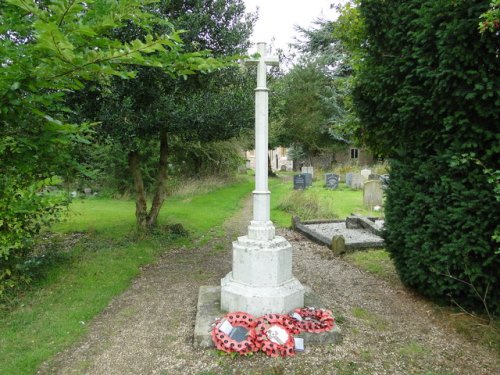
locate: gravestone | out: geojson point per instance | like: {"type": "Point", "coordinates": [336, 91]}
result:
{"type": "Point", "coordinates": [348, 179]}
{"type": "Point", "coordinates": [356, 181]}
{"type": "Point", "coordinates": [338, 245]}
{"type": "Point", "coordinates": [372, 194]}
{"type": "Point", "coordinates": [299, 182]}
{"type": "Point", "coordinates": [308, 170]}
{"type": "Point", "coordinates": [283, 168]}
{"type": "Point", "coordinates": [374, 176]}
{"type": "Point", "coordinates": [365, 173]}
{"type": "Point", "coordinates": [87, 191]}
{"type": "Point", "coordinates": [309, 179]}
{"type": "Point", "coordinates": [332, 180]}
{"type": "Point", "coordinates": [385, 181]}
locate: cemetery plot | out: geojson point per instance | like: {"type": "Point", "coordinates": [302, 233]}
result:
{"type": "Point", "coordinates": [357, 232]}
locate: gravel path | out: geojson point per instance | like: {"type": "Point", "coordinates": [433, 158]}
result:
{"type": "Point", "coordinates": [387, 330]}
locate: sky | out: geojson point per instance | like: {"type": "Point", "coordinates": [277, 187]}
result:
{"type": "Point", "coordinates": [277, 18]}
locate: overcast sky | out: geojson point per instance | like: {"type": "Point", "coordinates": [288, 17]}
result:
{"type": "Point", "coordinates": [277, 18]}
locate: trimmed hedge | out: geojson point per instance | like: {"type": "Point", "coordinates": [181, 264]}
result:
{"type": "Point", "coordinates": [428, 97]}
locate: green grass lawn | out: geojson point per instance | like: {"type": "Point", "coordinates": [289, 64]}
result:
{"type": "Point", "coordinates": [54, 313]}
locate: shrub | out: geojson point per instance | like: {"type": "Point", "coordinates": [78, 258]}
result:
{"type": "Point", "coordinates": [427, 95]}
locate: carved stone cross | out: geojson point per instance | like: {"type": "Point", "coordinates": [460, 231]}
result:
{"type": "Point", "coordinates": [261, 227]}
{"type": "Point", "coordinates": [261, 281]}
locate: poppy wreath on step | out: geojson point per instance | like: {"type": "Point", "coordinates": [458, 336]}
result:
{"type": "Point", "coordinates": [225, 343]}
{"type": "Point", "coordinates": [270, 343]}
{"type": "Point", "coordinates": [314, 320]}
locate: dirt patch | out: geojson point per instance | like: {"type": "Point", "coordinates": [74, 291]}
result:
{"type": "Point", "coordinates": [387, 330]}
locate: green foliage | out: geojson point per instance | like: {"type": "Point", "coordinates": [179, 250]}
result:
{"type": "Point", "coordinates": [490, 20]}
{"type": "Point", "coordinates": [101, 264]}
{"type": "Point", "coordinates": [217, 158]}
{"type": "Point", "coordinates": [184, 113]}
{"type": "Point", "coordinates": [427, 95]}
{"type": "Point", "coordinates": [48, 49]}
{"type": "Point", "coordinates": [306, 106]}
{"type": "Point", "coordinates": [311, 106]}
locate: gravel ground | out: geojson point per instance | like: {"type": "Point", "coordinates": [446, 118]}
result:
{"type": "Point", "coordinates": [351, 236]}
{"type": "Point", "coordinates": [387, 330]}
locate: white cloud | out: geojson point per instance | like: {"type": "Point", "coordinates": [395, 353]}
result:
{"type": "Point", "coordinates": [278, 18]}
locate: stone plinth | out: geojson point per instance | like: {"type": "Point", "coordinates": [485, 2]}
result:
{"type": "Point", "coordinates": [209, 310]}
{"type": "Point", "coordinates": [261, 281]}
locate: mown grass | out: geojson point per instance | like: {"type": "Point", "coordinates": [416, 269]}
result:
{"type": "Point", "coordinates": [54, 313]}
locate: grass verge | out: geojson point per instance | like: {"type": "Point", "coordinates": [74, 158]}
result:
{"type": "Point", "coordinates": [473, 328]}
{"type": "Point", "coordinates": [100, 265]}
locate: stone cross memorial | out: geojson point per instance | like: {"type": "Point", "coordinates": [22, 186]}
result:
{"type": "Point", "coordinates": [261, 281]}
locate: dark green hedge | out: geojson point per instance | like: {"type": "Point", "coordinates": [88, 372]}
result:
{"type": "Point", "coordinates": [428, 97]}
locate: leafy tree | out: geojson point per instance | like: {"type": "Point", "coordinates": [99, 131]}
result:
{"type": "Point", "coordinates": [427, 96]}
{"type": "Point", "coordinates": [309, 103]}
{"type": "Point", "coordinates": [47, 49]}
{"type": "Point", "coordinates": [212, 107]}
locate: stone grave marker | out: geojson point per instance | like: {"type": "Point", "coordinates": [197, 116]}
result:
{"type": "Point", "coordinates": [299, 182]}
{"type": "Point", "coordinates": [338, 245]}
{"type": "Point", "coordinates": [308, 170]}
{"type": "Point", "coordinates": [283, 168]}
{"type": "Point", "coordinates": [348, 179]}
{"type": "Point", "coordinates": [365, 173]}
{"type": "Point", "coordinates": [372, 194]}
{"type": "Point", "coordinates": [332, 180]}
{"type": "Point", "coordinates": [356, 181]}
{"type": "Point", "coordinates": [374, 176]}
{"type": "Point", "coordinates": [309, 179]}
{"type": "Point", "coordinates": [87, 191]}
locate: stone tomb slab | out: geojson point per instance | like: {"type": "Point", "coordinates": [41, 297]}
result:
{"type": "Point", "coordinates": [208, 310]}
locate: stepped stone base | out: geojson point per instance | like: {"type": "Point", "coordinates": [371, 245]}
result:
{"type": "Point", "coordinates": [209, 309]}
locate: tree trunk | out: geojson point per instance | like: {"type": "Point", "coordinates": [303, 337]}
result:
{"type": "Point", "coordinates": [161, 177]}
{"type": "Point", "coordinates": [140, 200]}
{"type": "Point", "coordinates": [270, 172]}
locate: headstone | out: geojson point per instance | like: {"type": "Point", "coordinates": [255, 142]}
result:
{"type": "Point", "coordinates": [309, 179]}
{"type": "Point", "coordinates": [299, 182]}
{"type": "Point", "coordinates": [385, 181]}
{"type": "Point", "coordinates": [338, 245]}
{"type": "Point", "coordinates": [365, 173]}
{"type": "Point", "coordinates": [283, 168]}
{"type": "Point", "coordinates": [356, 181]}
{"type": "Point", "coordinates": [374, 176]}
{"type": "Point", "coordinates": [372, 194]}
{"type": "Point", "coordinates": [332, 180]}
{"type": "Point", "coordinates": [308, 170]}
{"type": "Point", "coordinates": [348, 179]}
{"type": "Point", "coordinates": [87, 191]}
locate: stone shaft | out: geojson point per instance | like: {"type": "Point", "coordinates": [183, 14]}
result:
{"type": "Point", "coordinates": [261, 281]}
